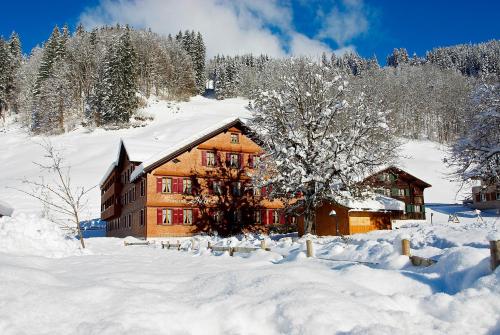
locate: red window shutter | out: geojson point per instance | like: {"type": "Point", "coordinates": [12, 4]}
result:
{"type": "Point", "coordinates": [204, 158]}
{"type": "Point", "coordinates": [174, 185]}
{"type": "Point", "coordinates": [196, 214]}
{"type": "Point", "coordinates": [175, 216]}
{"type": "Point", "coordinates": [282, 218]}
{"type": "Point", "coordinates": [158, 184]}
{"type": "Point", "coordinates": [159, 216]}
{"type": "Point", "coordinates": [263, 191]}
{"type": "Point", "coordinates": [180, 185]}
{"type": "Point", "coordinates": [216, 159]}
{"type": "Point", "coordinates": [240, 161]}
{"type": "Point", "coordinates": [181, 216]}
{"type": "Point", "coordinates": [228, 158]}
{"type": "Point", "coordinates": [250, 161]}
{"type": "Point", "coordinates": [210, 186]}
{"type": "Point", "coordinates": [263, 216]}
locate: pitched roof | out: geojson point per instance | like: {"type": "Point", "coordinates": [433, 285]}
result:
{"type": "Point", "coordinates": [177, 148]}
{"type": "Point", "coordinates": [373, 202]}
{"type": "Point", "coordinates": [177, 138]}
{"type": "Point", "coordinates": [400, 171]}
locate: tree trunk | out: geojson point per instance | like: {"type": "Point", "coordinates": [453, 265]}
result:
{"type": "Point", "coordinates": [309, 220]}
{"type": "Point", "coordinates": [79, 229]}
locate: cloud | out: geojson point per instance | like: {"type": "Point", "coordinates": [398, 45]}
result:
{"type": "Point", "coordinates": [228, 26]}
{"type": "Point", "coordinates": [345, 21]}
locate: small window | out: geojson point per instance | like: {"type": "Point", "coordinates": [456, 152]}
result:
{"type": "Point", "coordinates": [235, 138]}
{"type": "Point", "coordinates": [417, 209]}
{"type": "Point", "coordinates": [256, 192]}
{"type": "Point", "coordinates": [218, 215]}
{"type": "Point", "coordinates": [166, 216]}
{"type": "Point", "coordinates": [143, 187]}
{"type": "Point", "coordinates": [483, 196]}
{"type": "Point", "coordinates": [237, 189]}
{"type": "Point", "coordinates": [210, 158]}
{"type": "Point", "coordinates": [257, 217]}
{"type": "Point", "coordinates": [141, 219]}
{"type": "Point", "coordinates": [130, 220]}
{"type": "Point", "coordinates": [186, 186]}
{"type": "Point", "coordinates": [166, 185]}
{"type": "Point", "coordinates": [275, 217]}
{"type": "Point", "coordinates": [217, 187]}
{"type": "Point", "coordinates": [234, 160]}
{"type": "Point", "coordinates": [498, 195]}
{"type": "Point", "coordinates": [188, 216]}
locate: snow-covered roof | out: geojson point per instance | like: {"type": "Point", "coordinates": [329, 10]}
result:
{"type": "Point", "coordinates": [174, 138]}
{"type": "Point", "coordinates": [373, 202]}
{"type": "Point", "coordinates": [178, 146]}
{"type": "Point", "coordinates": [5, 209]}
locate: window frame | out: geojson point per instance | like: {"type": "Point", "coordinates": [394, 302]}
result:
{"type": "Point", "coordinates": [235, 138]}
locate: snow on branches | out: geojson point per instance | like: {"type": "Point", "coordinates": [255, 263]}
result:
{"type": "Point", "coordinates": [476, 155]}
{"type": "Point", "coordinates": [320, 138]}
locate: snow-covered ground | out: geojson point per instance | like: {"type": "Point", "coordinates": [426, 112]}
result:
{"type": "Point", "coordinates": [48, 285]}
{"type": "Point", "coordinates": [110, 288]}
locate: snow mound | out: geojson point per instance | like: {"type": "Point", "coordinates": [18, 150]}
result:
{"type": "Point", "coordinates": [28, 235]}
{"type": "Point", "coordinates": [5, 209]}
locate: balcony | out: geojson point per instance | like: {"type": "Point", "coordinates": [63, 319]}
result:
{"type": "Point", "coordinates": [111, 211]}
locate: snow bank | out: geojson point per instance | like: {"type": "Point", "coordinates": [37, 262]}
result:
{"type": "Point", "coordinates": [5, 209]}
{"type": "Point", "coordinates": [24, 235]}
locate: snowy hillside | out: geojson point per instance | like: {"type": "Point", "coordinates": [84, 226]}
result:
{"type": "Point", "coordinates": [91, 152]}
{"type": "Point", "coordinates": [358, 285]}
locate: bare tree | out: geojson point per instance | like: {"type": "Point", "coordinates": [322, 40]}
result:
{"type": "Point", "coordinates": [58, 194]}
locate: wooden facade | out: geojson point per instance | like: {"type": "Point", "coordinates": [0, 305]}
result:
{"type": "Point", "coordinates": [398, 184]}
{"type": "Point", "coordinates": [486, 196]}
{"type": "Point", "coordinates": [200, 188]}
{"type": "Point", "coordinates": [350, 221]}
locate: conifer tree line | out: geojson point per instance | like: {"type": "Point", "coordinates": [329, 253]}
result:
{"type": "Point", "coordinates": [426, 97]}
{"type": "Point", "coordinates": [97, 78]}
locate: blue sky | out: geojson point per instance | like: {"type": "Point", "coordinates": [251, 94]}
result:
{"type": "Point", "coordinates": [275, 27]}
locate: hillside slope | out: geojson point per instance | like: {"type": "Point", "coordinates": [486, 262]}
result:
{"type": "Point", "coordinates": [90, 152]}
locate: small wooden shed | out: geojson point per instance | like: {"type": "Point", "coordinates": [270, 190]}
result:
{"type": "Point", "coordinates": [354, 216]}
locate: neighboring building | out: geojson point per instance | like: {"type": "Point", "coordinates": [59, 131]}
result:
{"type": "Point", "coordinates": [398, 184]}
{"type": "Point", "coordinates": [486, 196]}
{"type": "Point", "coordinates": [352, 217]}
{"type": "Point", "coordinates": [5, 209]}
{"type": "Point", "coordinates": [193, 184]}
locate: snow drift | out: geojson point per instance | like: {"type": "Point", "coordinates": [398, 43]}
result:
{"type": "Point", "coordinates": [32, 236]}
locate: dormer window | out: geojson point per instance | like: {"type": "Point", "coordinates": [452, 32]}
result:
{"type": "Point", "coordinates": [235, 138]}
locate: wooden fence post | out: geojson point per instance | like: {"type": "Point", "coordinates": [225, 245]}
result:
{"type": "Point", "coordinates": [495, 254]}
{"type": "Point", "coordinates": [178, 245]}
{"type": "Point", "coordinates": [309, 248]}
{"type": "Point", "coordinates": [263, 244]}
{"type": "Point", "coordinates": [405, 247]}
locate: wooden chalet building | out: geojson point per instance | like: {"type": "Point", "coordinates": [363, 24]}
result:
{"type": "Point", "coordinates": [398, 184]}
{"type": "Point", "coordinates": [397, 196]}
{"type": "Point", "coordinates": [195, 184]}
{"type": "Point", "coordinates": [486, 196]}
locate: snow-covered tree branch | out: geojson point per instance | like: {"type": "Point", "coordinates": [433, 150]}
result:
{"type": "Point", "coordinates": [320, 139]}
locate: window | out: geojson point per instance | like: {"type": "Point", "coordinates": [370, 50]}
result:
{"type": "Point", "coordinates": [141, 219]}
{"type": "Point", "coordinates": [232, 160]}
{"type": "Point", "coordinates": [498, 196]}
{"type": "Point", "coordinates": [188, 216]}
{"type": "Point", "coordinates": [217, 187]}
{"type": "Point", "coordinates": [256, 191]}
{"type": "Point", "coordinates": [387, 192]}
{"type": "Point", "coordinates": [257, 217]}
{"type": "Point", "coordinates": [417, 209]}
{"type": "Point", "coordinates": [143, 187]}
{"type": "Point", "coordinates": [166, 185]}
{"type": "Point", "coordinates": [166, 216]}
{"type": "Point", "coordinates": [130, 220]}
{"type": "Point", "coordinates": [235, 139]}
{"type": "Point", "coordinates": [208, 158]}
{"type": "Point", "coordinates": [236, 189]}
{"type": "Point", "coordinates": [218, 215]}
{"type": "Point", "coordinates": [276, 217]}
{"type": "Point", "coordinates": [186, 186]}
{"type": "Point", "coordinates": [483, 196]}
